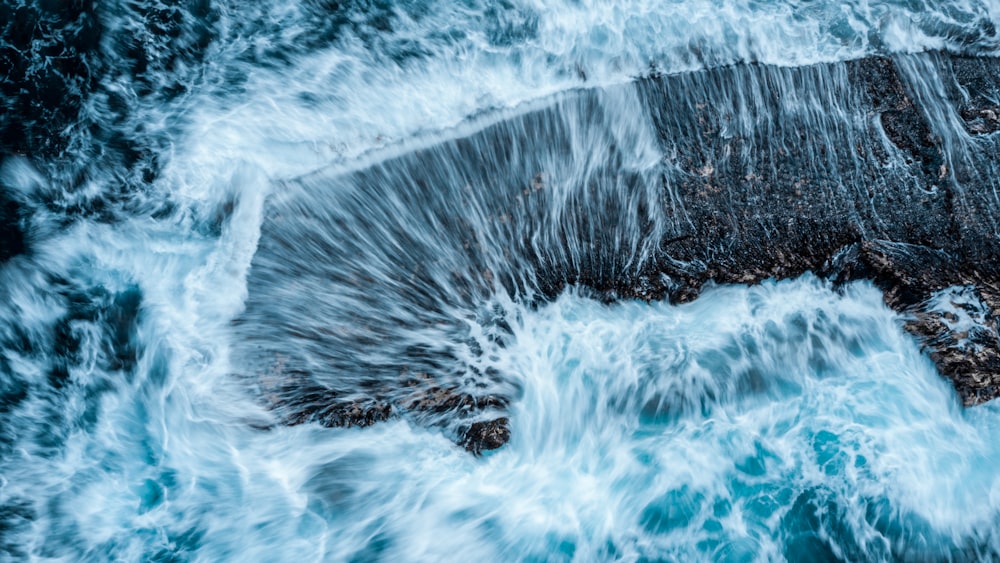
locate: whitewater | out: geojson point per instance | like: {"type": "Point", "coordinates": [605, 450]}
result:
{"type": "Point", "coordinates": [230, 218]}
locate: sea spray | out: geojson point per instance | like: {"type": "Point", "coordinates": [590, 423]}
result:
{"type": "Point", "coordinates": [147, 149]}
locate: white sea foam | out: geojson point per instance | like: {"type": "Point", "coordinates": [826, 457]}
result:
{"type": "Point", "coordinates": [349, 97]}
{"type": "Point", "coordinates": [745, 425]}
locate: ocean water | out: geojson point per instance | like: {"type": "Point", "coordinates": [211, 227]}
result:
{"type": "Point", "coordinates": [213, 199]}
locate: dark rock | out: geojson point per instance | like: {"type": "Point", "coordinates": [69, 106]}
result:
{"type": "Point", "coordinates": [980, 96]}
{"type": "Point", "coordinates": [443, 400]}
{"type": "Point", "coordinates": [881, 169]}
{"type": "Point", "coordinates": [298, 401]}
{"type": "Point", "coordinates": [914, 217]}
{"type": "Point", "coordinates": [486, 435]}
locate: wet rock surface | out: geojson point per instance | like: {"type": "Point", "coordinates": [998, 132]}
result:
{"type": "Point", "coordinates": [880, 169]}
{"type": "Point", "coordinates": [487, 435]}
{"type": "Point", "coordinates": [927, 286]}
{"type": "Point", "coordinates": [979, 107]}
{"type": "Point", "coordinates": [914, 215]}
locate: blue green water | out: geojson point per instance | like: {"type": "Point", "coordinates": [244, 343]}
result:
{"type": "Point", "coordinates": [146, 143]}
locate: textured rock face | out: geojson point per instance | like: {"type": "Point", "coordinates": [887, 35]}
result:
{"type": "Point", "coordinates": [486, 435]}
{"type": "Point", "coordinates": [935, 293]}
{"type": "Point", "coordinates": [888, 174]}
{"type": "Point", "coordinates": [861, 161]}
{"type": "Point", "coordinates": [877, 169]}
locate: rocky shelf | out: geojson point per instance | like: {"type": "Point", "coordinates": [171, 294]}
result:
{"type": "Point", "coordinates": [881, 169]}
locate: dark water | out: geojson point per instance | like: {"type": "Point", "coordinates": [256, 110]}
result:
{"type": "Point", "coordinates": [205, 204]}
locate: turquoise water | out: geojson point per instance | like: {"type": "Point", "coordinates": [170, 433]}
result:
{"type": "Point", "coordinates": [782, 421]}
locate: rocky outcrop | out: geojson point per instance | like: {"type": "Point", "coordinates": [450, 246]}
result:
{"type": "Point", "coordinates": [881, 169]}
{"type": "Point", "coordinates": [890, 177]}
{"type": "Point", "coordinates": [486, 435]}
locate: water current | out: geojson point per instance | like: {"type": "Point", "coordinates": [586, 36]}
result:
{"type": "Point", "coordinates": [230, 211]}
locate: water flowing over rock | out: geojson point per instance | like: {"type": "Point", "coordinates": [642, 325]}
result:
{"type": "Point", "coordinates": [573, 280]}
{"type": "Point", "coordinates": [879, 169]}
